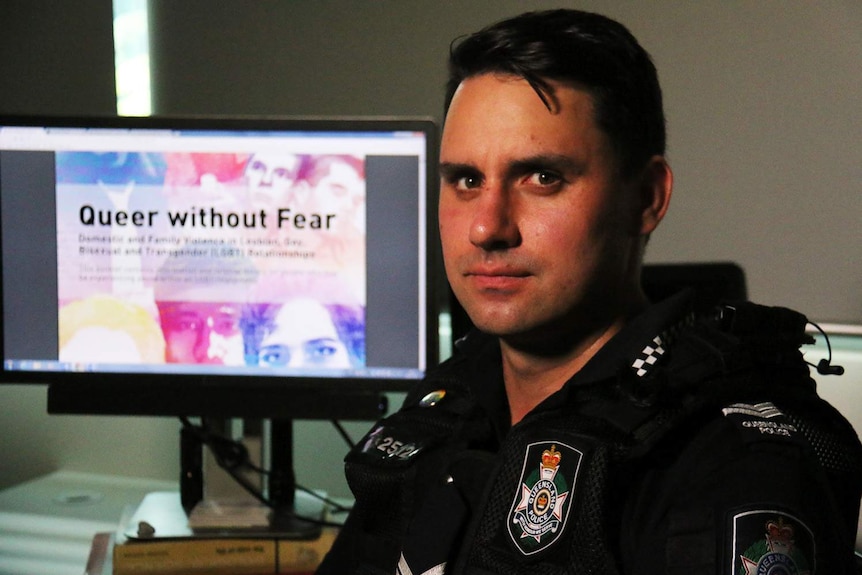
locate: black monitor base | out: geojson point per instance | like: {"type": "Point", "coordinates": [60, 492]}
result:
{"type": "Point", "coordinates": [286, 524]}
{"type": "Point", "coordinates": [161, 516]}
{"type": "Point", "coordinates": [288, 517]}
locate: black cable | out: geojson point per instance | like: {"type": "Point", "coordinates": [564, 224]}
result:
{"type": "Point", "coordinates": [232, 456]}
{"type": "Point", "coordinates": [343, 432]}
{"type": "Point", "coordinates": [334, 505]}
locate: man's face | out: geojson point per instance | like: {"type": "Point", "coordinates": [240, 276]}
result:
{"type": "Point", "coordinates": [340, 190]}
{"type": "Point", "coordinates": [539, 231]}
{"type": "Point", "coordinates": [202, 333]}
{"type": "Point", "coordinates": [271, 178]}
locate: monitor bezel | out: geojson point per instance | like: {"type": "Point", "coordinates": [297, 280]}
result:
{"type": "Point", "coordinates": [228, 395]}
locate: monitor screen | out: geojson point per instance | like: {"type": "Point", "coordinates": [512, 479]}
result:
{"type": "Point", "coordinates": [157, 264]}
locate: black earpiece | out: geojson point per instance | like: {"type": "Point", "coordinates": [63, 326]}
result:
{"type": "Point", "coordinates": [826, 368]}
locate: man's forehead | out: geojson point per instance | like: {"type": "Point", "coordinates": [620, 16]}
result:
{"type": "Point", "coordinates": [504, 115]}
{"type": "Point", "coordinates": [545, 90]}
{"type": "Point", "coordinates": [495, 94]}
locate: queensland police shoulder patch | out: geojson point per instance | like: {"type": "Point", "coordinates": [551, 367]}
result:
{"type": "Point", "coordinates": [543, 499]}
{"type": "Point", "coordinates": [767, 542]}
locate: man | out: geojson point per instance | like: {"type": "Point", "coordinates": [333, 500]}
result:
{"type": "Point", "coordinates": [580, 428]}
{"type": "Point", "coordinates": [272, 178]}
{"type": "Point", "coordinates": [199, 311]}
{"type": "Point", "coordinates": [202, 332]}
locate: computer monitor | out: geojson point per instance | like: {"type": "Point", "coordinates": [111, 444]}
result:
{"type": "Point", "coordinates": [274, 268]}
{"type": "Point", "coordinates": [199, 255]}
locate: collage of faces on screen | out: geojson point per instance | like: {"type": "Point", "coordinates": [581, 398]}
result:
{"type": "Point", "coordinates": [212, 258]}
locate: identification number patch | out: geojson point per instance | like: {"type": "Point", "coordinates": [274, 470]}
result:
{"type": "Point", "coordinates": [393, 444]}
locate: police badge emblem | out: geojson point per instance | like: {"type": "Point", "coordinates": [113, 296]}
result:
{"type": "Point", "coordinates": [768, 542]}
{"type": "Point", "coordinates": [541, 505]}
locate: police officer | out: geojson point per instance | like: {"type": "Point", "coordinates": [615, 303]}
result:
{"type": "Point", "coordinates": [581, 428]}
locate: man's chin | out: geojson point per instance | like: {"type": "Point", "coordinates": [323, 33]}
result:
{"type": "Point", "coordinates": [498, 324]}
{"type": "Point", "coordinates": [514, 332]}
{"type": "Point", "coordinates": [534, 336]}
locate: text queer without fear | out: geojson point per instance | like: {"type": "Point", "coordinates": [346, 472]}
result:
{"type": "Point", "coordinates": [206, 218]}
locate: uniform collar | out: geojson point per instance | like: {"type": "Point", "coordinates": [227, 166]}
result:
{"type": "Point", "coordinates": [643, 332]}
{"type": "Point", "coordinates": [639, 334]}
{"type": "Point", "coordinates": [639, 345]}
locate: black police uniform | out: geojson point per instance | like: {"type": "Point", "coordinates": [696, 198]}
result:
{"type": "Point", "coordinates": [686, 445]}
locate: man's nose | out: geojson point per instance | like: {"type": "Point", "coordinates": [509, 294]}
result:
{"type": "Point", "coordinates": [494, 224]}
{"type": "Point", "coordinates": [266, 178]}
{"type": "Point", "coordinates": [205, 335]}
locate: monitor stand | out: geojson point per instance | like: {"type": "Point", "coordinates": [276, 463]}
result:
{"type": "Point", "coordinates": [287, 517]}
{"type": "Point", "coordinates": [159, 397]}
{"type": "Point", "coordinates": [161, 516]}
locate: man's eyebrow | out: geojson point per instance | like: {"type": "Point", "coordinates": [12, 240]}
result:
{"type": "Point", "coordinates": [454, 168]}
{"type": "Point", "coordinates": [557, 162]}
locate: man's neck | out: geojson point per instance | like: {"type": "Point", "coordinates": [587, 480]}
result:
{"type": "Point", "coordinates": [530, 375]}
{"type": "Point", "coordinates": [530, 378]}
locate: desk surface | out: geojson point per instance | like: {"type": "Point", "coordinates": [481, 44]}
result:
{"type": "Point", "coordinates": [47, 524]}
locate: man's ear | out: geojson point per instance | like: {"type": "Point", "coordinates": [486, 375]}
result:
{"type": "Point", "coordinates": [656, 188]}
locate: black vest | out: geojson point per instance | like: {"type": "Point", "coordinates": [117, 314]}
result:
{"type": "Point", "coordinates": [437, 483]}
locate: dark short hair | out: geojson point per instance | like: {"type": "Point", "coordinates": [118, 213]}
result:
{"type": "Point", "coordinates": [588, 50]}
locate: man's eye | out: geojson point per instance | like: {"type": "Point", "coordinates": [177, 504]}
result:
{"type": "Point", "coordinates": [185, 322]}
{"type": "Point", "coordinates": [188, 324]}
{"type": "Point", "coordinates": [225, 325]}
{"type": "Point", "coordinates": [544, 178]}
{"type": "Point", "coordinates": [468, 182]}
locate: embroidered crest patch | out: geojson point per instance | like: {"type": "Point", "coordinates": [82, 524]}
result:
{"type": "Point", "coordinates": [541, 505]}
{"type": "Point", "coordinates": [767, 542]}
